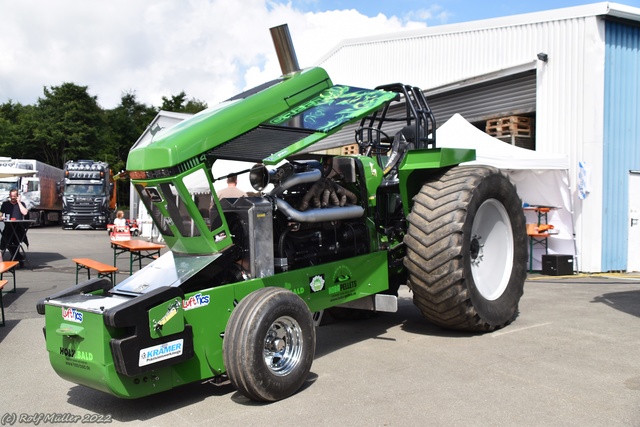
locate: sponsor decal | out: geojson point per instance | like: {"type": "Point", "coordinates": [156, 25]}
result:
{"type": "Point", "coordinates": [374, 172]}
{"type": "Point", "coordinates": [316, 283]}
{"type": "Point", "coordinates": [76, 354]}
{"type": "Point", "coordinates": [341, 287]}
{"type": "Point", "coordinates": [298, 290]}
{"type": "Point", "coordinates": [160, 352]}
{"type": "Point", "coordinates": [343, 284]}
{"type": "Point", "coordinates": [72, 315]}
{"type": "Point", "coordinates": [195, 301]}
{"type": "Point", "coordinates": [172, 310]}
{"type": "Point", "coordinates": [79, 365]}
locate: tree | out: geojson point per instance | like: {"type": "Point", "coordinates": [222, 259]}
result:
{"type": "Point", "coordinates": [70, 124]}
{"type": "Point", "coordinates": [16, 131]}
{"type": "Point", "coordinates": [177, 104]}
{"type": "Point", "coordinates": [124, 125]}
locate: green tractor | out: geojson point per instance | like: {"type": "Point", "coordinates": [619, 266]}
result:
{"type": "Point", "coordinates": [238, 295]}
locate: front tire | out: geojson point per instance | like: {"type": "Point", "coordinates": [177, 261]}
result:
{"type": "Point", "coordinates": [466, 249]}
{"type": "Point", "coordinates": [269, 344]}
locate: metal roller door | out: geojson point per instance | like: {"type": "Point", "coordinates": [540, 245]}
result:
{"type": "Point", "coordinates": [508, 96]}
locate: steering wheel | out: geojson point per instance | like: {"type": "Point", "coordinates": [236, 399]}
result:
{"type": "Point", "coordinates": [375, 146]}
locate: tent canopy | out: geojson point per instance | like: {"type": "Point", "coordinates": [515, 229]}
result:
{"type": "Point", "coordinates": [459, 133]}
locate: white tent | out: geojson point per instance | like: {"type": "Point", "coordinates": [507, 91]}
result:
{"type": "Point", "coordinates": [541, 179]}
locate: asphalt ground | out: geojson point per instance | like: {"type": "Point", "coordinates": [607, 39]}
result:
{"type": "Point", "coordinates": [571, 358]}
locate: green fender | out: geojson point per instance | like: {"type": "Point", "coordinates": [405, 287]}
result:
{"type": "Point", "coordinates": [417, 165]}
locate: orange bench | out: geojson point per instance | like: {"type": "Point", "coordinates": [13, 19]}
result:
{"type": "Point", "coordinates": [9, 267]}
{"type": "Point", "coordinates": [2, 283]}
{"type": "Point", "coordinates": [104, 270]}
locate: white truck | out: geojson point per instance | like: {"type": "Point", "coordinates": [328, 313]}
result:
{"type": "Point", "coordinates": [39, 191]}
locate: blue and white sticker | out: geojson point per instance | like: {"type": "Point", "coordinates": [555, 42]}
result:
{"type": "Point", "coordinates": [161, 352]}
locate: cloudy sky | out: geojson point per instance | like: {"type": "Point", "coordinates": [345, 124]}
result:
{"type": "Point", "coordinates": [211, 49]}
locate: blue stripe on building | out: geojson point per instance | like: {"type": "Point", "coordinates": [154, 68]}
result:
{"type": "Point", "coordinates": [621, 137]}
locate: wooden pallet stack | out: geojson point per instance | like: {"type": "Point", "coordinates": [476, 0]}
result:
{"type": "Point", "coordinates": [515, 130]}
{"type": "Point", "coordinates": [349, 150]}
{"type": "Point", "coordinates": [345, 150]}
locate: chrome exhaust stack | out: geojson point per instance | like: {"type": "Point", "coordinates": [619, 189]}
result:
{"type": "Point", "coordinates": [284, 49]}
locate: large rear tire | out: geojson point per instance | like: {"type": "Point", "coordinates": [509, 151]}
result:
{"type": "Point", "coordinates": [467, 249]}
{"type": "Point", "coordinates": [269, 344]}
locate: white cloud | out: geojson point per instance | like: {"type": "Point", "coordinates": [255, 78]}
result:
{"type": "Point", "coordinates": [211, 49]}
{"type": "Point", "coordinates": [434, 12]}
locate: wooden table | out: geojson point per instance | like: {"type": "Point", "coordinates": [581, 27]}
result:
{"type": "Point", "coordinates": [138, 249]}
{"type": "Point", "coordinates": [535, 236]}
{"type": "Point", "coordinates": [542, 212]}
{"type": "Point", "coordinates": [14, 234]}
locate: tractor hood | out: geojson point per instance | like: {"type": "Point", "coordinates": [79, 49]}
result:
{"type": "Point", "coordinates": [265, 124]}
{"type": "Point", "coordinates": [168, 270]}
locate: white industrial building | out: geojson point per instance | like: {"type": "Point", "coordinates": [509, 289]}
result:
{"type": "Point", "coordinates": [575, 72]}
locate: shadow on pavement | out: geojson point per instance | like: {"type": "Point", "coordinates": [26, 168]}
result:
{"type": "Point", "coordinates": [160, 404]}
{"type": "Point", "coordinates": [627, 302]}
{"type": "Point", "coordinates": [40, 260]}
{"type": "Point", "coordinates": [339, 334]}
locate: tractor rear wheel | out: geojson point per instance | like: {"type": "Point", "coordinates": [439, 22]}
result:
{"type": "Point", "coordinates": [269, 344]}
{"type": "Point", "coordinates": [466, 249]}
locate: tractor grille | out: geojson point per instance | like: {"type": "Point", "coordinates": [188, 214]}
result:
{"type": "Point", "coordinates": [259, 143]}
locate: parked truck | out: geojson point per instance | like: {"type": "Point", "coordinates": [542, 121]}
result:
{"type": "Point", "coordinates": [39, 191]}
{"type": "Point", "coordinates": [89, 198]}
{"type": "Point", "coordinates": [236, 296]}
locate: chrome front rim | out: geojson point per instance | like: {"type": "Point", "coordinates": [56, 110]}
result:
{"type": "Point", "coordinates": [283, 346]}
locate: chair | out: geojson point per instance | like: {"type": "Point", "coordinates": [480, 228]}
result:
{"type": "Point", "coordinates": [536, 238]}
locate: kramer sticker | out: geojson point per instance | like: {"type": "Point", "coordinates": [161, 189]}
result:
{"type": "Point", "coordinates": [316, 284]}
{"type": "Point", "coordinates": [161, 352]}
{"type": "Point", "coordinates": [72, 315]}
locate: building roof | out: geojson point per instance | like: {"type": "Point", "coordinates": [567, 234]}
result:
{"type": "Point", "coordinates": [615, 10]}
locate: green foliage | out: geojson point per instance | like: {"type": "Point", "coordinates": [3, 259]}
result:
{"type": "Point", "coordinates": [70, 124]}
{"type": "Point", "coordinates": [179, 104]}
{"type": "Point", "coordinates": [124, 125]}
{"type": "Point", "coordinates": [67, 123]}
{"type": "Point", "coordinates": [17, 123]}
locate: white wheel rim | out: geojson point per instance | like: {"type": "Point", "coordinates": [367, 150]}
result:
{"type": "Point", "coordinates": [283, 346]}
{"type": "Point", "coordinates": [492, 249]}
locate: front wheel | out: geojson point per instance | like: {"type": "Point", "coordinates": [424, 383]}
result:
{"type": "Point", "coordinates": [466, 249]}
{"type": "Point", "coordinates": [269, 344]}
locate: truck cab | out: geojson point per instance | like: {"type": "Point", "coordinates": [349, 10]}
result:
{"type": "Point", "coordinates": [88, 196]}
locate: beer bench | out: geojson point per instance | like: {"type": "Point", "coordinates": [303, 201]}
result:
{"type": "Point", "coordinates": [9, 267]}
{"type": "Point", "coordinates": [104, 270]}
{"type": "Point", "coordinates": [6, 267]}
{"type": "Point", "coordinates": [2, 283]}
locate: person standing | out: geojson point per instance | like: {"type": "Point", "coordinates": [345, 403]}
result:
{"type": "Point", "coordinates": [232, 191]}
{"type": "Point", "coordinates": [14, 209]}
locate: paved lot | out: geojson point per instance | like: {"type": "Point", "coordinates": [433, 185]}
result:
{"type": "Point", "coordinates": [570, 359]}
